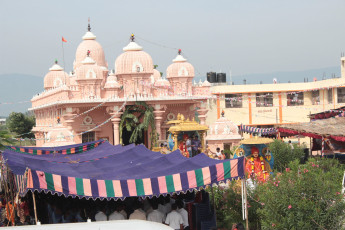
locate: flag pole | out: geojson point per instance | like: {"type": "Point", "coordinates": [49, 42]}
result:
{"type": "Point", "coordinates": [63, 59]}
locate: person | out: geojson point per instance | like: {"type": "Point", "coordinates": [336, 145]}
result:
{"type": "Point", "coordinates": [167, 203]}
{"type": "Point", "coordinates": [196, 146]}
{"type": "Point", "coordinates": [218, 153]}
{"type": "Point", "coordinates": [167, 151]}
{"type": "Point", "coordinates": [100, 215]}
{"type": "Point", "coordinates": [291, 145]}
{"type": "Point", "coordinates": [122, 210]}
{"type": "Point", "coordinates": [156, 215]}
{"type": "Point", "coordinates": [116, 215]}
{"type": "Point", "coordinates": [189, 146]}
{"type": "Point", "coordinates": [183, 146]}
{"type": "Point", "coordinates": [238, 226]}
{"type": "Point", "coordinates": [161, 205]}
{"type": "Point", "coordinates": [256, 166]}
{"type": "Point", "coordinates": [138, 214]}
{"type": "Point", "coordinates": [183, 213]}
{"type": "Point", "coordinates": [174, 219]}
{"type": "Point", "coordinates": [223, 155]}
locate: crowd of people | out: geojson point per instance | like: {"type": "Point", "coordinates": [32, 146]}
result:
{"type": "Point", "coordinates": [53, 209]}
{"type": "Point", "coordinates": [161, 210]}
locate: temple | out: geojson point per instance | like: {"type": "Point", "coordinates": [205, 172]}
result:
{"type": "Point", "coordinates": [87, 104]}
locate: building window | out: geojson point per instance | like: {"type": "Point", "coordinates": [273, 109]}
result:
{"type": "Point", "coordinates": [315, 97]}
{"type": "Point", "coordinates": [330, 96]}
{"type": "Point", "coordinates": [341, 95]}
{"type": "Point", "coordinates": [88, 137]}
{"type": "Point", "coordinates": [264, 99]}
{"type": "Point", "coordinates": [233, 100]}
{"type": "Point", "coordinates": [295, 99]}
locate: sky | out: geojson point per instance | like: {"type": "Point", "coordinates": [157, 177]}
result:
{"type": "Point", "coordinates": [244, 36]}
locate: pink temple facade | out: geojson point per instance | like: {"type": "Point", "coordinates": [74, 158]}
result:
{"type": "Point", "coordinates": [87, 104]}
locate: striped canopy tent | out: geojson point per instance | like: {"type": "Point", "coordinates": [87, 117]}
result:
{"type": "Point", "coordinates": [101, 170]}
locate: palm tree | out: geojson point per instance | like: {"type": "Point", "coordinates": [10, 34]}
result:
{"type": "Point", "coordinates": [131, 118]}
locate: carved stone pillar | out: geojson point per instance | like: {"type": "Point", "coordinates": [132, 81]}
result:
{"type": "Point", "coordinates": [202, 115]}
{"type": "Point", "coordinates": [116, 114]}
{"type": "Point", "coordinates": [69, 117]}
{"type": "Point", "coordinates": [158, 112]}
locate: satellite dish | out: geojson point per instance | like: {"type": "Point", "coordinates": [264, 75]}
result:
{"type": "Point", "coordinates": [275, 80]}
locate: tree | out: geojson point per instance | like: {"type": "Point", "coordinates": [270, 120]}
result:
{"type": "Point", "coordinates": [283, 154]}
{"type": "Point", "coordinates": [21, 124]}
{"type": "Point", "coordinates": [136, 119]}
{"type": "Point", "coordinates": [5, 139]}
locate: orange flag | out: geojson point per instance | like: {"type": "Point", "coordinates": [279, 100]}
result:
{"type": "Point", "coordinates": [63, 39]}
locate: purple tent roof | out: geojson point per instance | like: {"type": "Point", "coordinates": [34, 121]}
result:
{"type": "Point", "coordinates": [108, 171]}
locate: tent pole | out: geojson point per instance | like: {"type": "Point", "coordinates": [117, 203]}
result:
{"type": "Point", "coordinates": [246, 205]}
{"type": "Point", "coordinates": [34, 200]}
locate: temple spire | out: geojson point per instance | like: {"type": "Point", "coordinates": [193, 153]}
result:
{"type": "Point", "coordinates": [132, 37]}
{"type": "Point", "coordinates": [179, 51]}
{"type": "Point", "coordinates": [88, 26]}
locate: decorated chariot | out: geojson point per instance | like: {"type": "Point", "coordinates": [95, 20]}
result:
{"type": "Point", "coordinates": [182, 130]}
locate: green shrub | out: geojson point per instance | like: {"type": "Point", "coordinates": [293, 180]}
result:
{"type": "Point", "coordinates": [283, 154]}
{"type": "Point", "coordinates": [303, 197]}
{"type": "Point", "coordinates": [229, 206]}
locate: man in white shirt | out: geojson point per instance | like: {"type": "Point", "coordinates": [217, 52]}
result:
{"type": "Point", "coordinates": [183, 213]}
{"type": "Point", "coordinates": [116, 215]}
{"type": "Point", "coordinates": [189, 146]}
{"type": "Point", "coordinates": [138, 214]}
{"type": "Point", "coordinates": [100, 215]}
{"type": "Point", "coordinates": [174, 219]}
{"type": "Point", "coordinates": [156, 215]}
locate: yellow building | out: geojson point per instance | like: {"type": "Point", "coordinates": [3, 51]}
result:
{"type": "Point", "coordinates": [266, 105]}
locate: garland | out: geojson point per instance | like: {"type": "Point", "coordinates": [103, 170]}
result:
{"type": "Point", "coordinates": [262, 165]}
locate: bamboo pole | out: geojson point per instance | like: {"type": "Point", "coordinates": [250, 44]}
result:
{"type": "Point", "coordinates": [34, 200]}
{"type": "Point", "coordinates": [245, 195]}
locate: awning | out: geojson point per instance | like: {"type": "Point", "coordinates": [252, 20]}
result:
{"type": "Point", "coordinates": [331, 128]}
{"type": "Point", "coordinates": [106, 171]}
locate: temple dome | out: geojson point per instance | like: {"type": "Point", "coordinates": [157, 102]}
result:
{"type": "Point", "coordinates": [111, 82]}
{"type": "Point", "coordinates": [96, 51]}
{"type": "Point", "coordinates": [180, 67]}
{"type": "Point", "coordinates": [206, 84]}
{"type": "Point", "coordinates": [223, 129]}
{"type": "Point", "coordinates": [89, 70]}
{"type": "Point", "coordinates": [56, 77]}
{"type": "Point", "coordinates": [162, 83]}
{"type": "Point", "coordinates": [156, 75]}
{"type": "Point", "coordinates": [133, 60]}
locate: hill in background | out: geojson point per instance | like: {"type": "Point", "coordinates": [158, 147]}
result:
{"type": "Point", "coordinates": [18, 89]}
{"type": "Point", "coordinates": [283, 76]}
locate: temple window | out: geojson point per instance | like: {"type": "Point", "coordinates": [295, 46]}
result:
{"type": "Point", "coordinates": [233, 100]}
{"type": "Point", "coordinates": [341, 95]}
{"type": "Point", "coordinates": [295, 99]}
{"type": "Point", "coordinates": [330, 96]}
{"type": "Point", "coordinates": [315, 97]}
{"type": "Point", "coordinates": [90, 74]}
{"type": "Point", "coordinates": [88, 137]}
{"type": "Point", "coordinates": [264, 99]}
